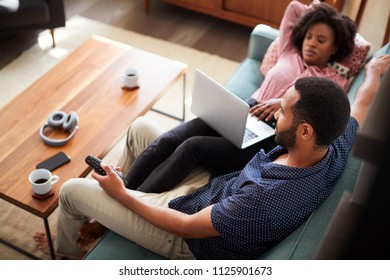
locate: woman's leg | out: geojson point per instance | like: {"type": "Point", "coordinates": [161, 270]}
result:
{"type": "Point", "coordinates": [169, 159]}
{"type": "Point", "coordinates": [161, 149]}
{"type": "Point", "coordinates": [215, 154]}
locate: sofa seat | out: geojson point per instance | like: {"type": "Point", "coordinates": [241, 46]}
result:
{"type": "Point", "coordinates": [113, 246]}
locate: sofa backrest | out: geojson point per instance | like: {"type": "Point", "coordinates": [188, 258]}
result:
{"type": "Point", "coordinates": [304, 241]}
{"type": "Point", "coordinates": [359, 77]}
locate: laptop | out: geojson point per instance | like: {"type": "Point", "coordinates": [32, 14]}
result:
{"type": "Point", "coordinates": [226, 113]}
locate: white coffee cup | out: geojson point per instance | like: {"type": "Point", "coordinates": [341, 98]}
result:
{"type": "Point", "coordinates": [42, 180]}
{"type": "Point", "coordinates": [129, 78]}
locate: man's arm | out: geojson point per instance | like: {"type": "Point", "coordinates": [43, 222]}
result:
{"type": "Point", "coordinates": [370, 86]}
{"type": "Point", "coordinates": [198, 225]}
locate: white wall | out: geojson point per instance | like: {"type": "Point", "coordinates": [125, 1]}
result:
{"type": "Point", "coordinates": [374, 19]}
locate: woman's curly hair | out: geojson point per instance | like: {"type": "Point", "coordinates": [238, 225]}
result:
{"type": "Point", "coordinates": [344, 29]}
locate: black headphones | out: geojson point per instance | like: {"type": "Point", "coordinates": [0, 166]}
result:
{"type": "Point", "coordinates": [60, 120]}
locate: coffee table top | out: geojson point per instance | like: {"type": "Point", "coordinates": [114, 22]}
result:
{"type": "Point", "coordinates": [85, 82]}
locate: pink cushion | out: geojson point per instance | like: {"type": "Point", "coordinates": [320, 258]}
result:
{"type": "Point", "coordinates": [348, 67]}
{"type": "Point", "coordinates": [270, 57]}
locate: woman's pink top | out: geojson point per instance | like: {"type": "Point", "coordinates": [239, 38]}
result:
{"type": "Point", "coordinates": [290, 65]}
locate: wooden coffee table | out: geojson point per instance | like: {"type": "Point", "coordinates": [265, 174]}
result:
{"type": "Point", "coordinates": [84, 82]}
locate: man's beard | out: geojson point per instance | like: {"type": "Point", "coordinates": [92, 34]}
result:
{"type": "Point", "coordinates": [287, 138]}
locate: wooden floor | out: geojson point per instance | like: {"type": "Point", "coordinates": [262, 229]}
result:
{"type": "Point", "coordinates": [166, 22]}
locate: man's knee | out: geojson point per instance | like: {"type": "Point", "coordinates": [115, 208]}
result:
{"type": "Point", "coordinates": [167, 141]}
{"type": "Point", "coordinates": [141, 133]}
{"type": "Point", "coordinates": [74, 187]}
{"type": "Point", "coordinates": [145, 128]}
{"type": "Point", "coordinates": [67, 186]}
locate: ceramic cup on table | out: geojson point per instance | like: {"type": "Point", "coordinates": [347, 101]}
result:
{"type": "Point", "coordinates": [129, 78]}
{"type": "Point", "coordinates": [42, 180]}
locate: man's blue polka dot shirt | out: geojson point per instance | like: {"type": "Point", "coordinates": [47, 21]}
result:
{"type": "Point", "coordinates": [256, 208]}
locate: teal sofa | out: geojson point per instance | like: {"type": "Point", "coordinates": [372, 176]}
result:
{"type": "Point", "coordinates": [304, 242]}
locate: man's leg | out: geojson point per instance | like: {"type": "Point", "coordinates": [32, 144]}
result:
{"type": "Point", "coordinates": [81, 199]}
{"type": "Point", "coordinates": [140, 135]}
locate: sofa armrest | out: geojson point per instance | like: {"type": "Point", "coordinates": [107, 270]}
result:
{"type": "Point", "coordinates": [247, 78]}
{"type": "Point", "coordinates": [261, 37]}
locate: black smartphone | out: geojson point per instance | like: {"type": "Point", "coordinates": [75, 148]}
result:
{"type": "Point", "coordinates": [54, 162]}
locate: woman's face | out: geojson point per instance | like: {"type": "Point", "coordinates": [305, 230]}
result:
{"type": "Point", "coordinates": [318, 44]}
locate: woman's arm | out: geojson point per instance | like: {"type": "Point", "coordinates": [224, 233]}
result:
{"type": "Point", "coordinates": [293, 11]}
{"type": "Point", "coordinates": [265, 109]}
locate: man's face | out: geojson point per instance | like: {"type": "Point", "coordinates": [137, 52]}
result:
{"type": "Point", "coordinates": [287, 138]}
{"type": "Point", "coordinates": [285, 131]}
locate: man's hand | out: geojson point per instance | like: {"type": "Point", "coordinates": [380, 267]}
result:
{"type": "Point", "coordinates": [379, 65]}
{"type": "Point", "coordinates": [374, 70]}
{"type": "Point", "coordinates": [110, 183]}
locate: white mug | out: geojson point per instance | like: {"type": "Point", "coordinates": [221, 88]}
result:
{"type": "Point", "coordinates": [129, 78]}
{"type": "Point", "coordinates": [42, 180]}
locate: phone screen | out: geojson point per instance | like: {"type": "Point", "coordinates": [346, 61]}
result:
{"type": "Point", "coordinates": [54, 162]}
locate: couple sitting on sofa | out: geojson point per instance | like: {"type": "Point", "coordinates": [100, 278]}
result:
{"type": "Point", "coordinates": [201, 222]}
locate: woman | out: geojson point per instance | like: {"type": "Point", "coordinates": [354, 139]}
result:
{"type": "Point", "coordinates": [309, 40]}
{"type": "Point", "coordinates": [319, 37]}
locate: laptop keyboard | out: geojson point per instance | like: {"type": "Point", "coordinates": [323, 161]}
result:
{"type": "Point", "coordinates": [249, 135]}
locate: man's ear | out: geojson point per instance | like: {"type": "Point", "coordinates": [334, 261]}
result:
{"type": "Point", "coordinates": [307, 131]}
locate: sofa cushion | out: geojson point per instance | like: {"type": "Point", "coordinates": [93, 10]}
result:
{"type": "Point", "coordinates": [270, 57]}
{"type": "Point", "coordinates": [355, 60]}
{"type": "Point", "coordinates": [112, 246]}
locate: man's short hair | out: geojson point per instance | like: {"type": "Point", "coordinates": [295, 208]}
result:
{"type": "Point", "coordinates": [324, 105]}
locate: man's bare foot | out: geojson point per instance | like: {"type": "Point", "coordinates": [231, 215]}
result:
{"type": "Point", "coordinates": [42, 244]}
{"type": "Point", "coordinates": [90, 232]}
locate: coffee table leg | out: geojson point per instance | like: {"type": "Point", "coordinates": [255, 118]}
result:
{"type": "Point", "coordinates": [18, 249]}
{"type": "Point", "coordinates": [182, 118]}
{"type": "Point", "coordinates": [49, 239]}
{"type": "Point", "coordinates": [28, 254]}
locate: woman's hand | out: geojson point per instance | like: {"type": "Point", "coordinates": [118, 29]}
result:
{"type": "Point", "coordinates": [266, 109]}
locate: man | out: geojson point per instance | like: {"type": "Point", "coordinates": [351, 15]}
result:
{"type": "Point", "coordinates": [242, 214]}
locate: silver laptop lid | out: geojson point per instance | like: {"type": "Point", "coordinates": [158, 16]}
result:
{"type": "Point", "coordinates": [219, 108]}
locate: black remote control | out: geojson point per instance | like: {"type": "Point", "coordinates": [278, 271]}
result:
{"type": "Point", "coordinates": [94, 162]}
